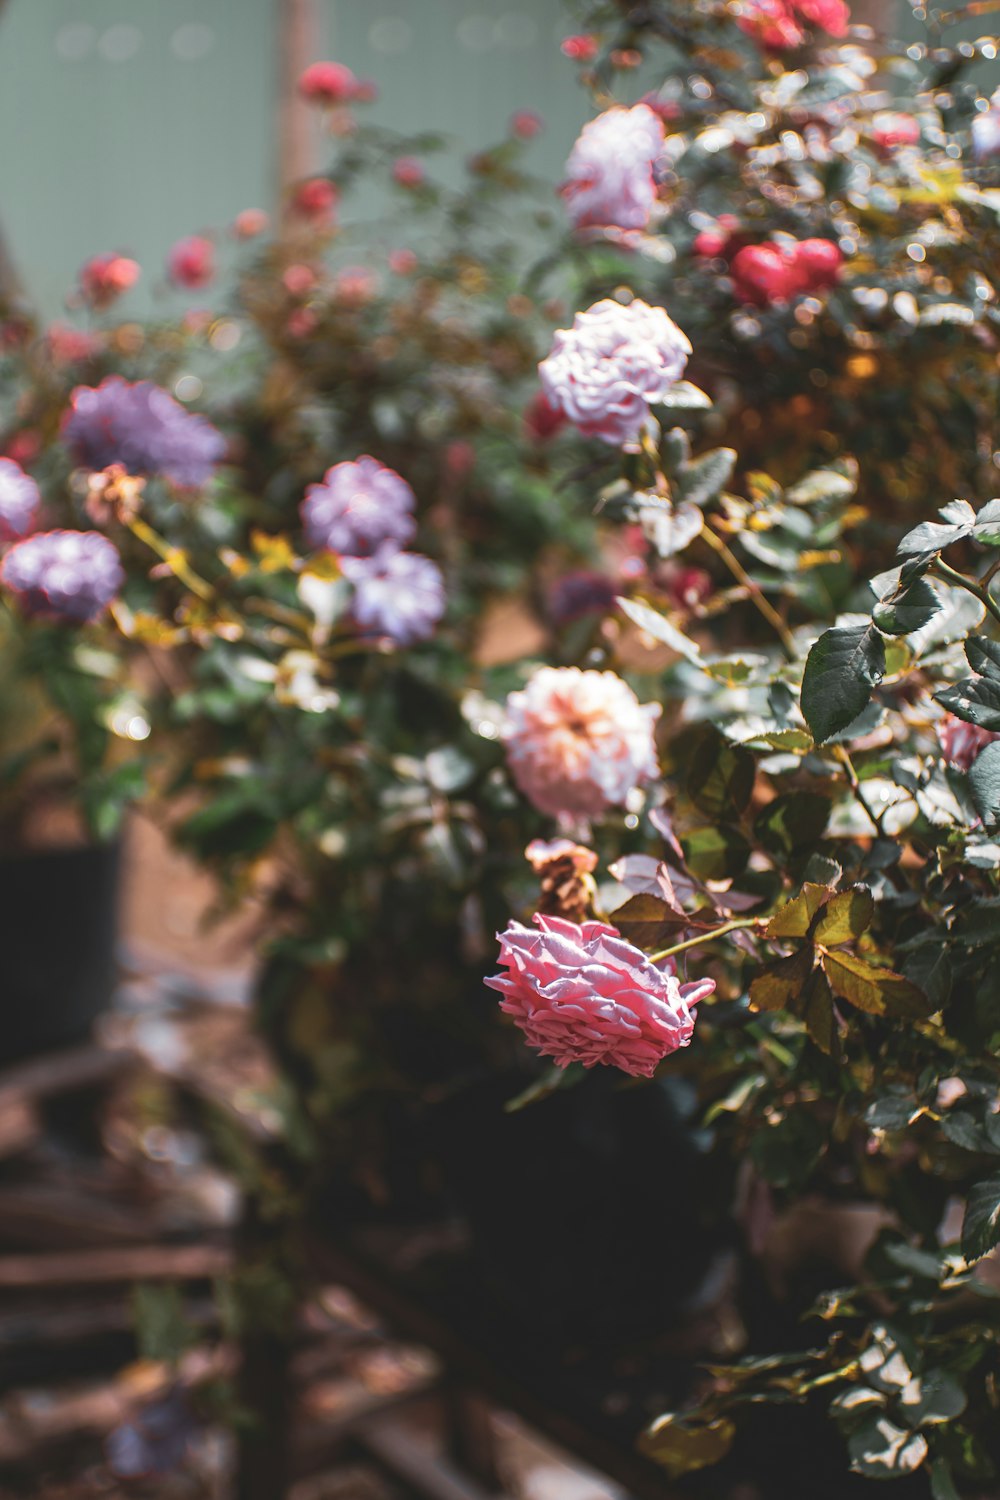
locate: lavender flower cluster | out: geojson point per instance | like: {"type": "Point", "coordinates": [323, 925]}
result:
{"type": "Point", "coordinates": [63, 575]}
{"type": "Point", "coordinates": [143, 428]}
{"type": "Point", "coordinates": [363, 511]}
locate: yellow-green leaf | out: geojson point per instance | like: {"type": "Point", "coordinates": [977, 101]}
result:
{"type": "Point", "coordinates": [847, 915]}
{"type": "Point", "coordinates": [683, 1446]}
{"type": "Point", "coordinates": [793, 920]}
{"type": "Point", "coordinates": [782, 982]}
{"type": "Point", "coordinates": [878, 992]}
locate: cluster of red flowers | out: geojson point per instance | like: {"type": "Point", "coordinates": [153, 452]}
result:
{"type": "Point", "coordinates": [771, 272]}
{"type": "Point", "coordinates": [782, 24]}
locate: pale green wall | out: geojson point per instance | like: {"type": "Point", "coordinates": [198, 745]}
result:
{"type": "Point", "coordinates": [125, 124]}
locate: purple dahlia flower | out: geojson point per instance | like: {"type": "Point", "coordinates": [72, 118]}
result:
{"type": "Point", "coordinates": [398, 594]}
{"type": "Point", "coordinates": [143, 428]}
{"type": "Point", "coordinates": [359, 506]}
{"type": "Point", "coordinates": [19, 501]}
{"type": "Point", "coordinates": [66, 575]}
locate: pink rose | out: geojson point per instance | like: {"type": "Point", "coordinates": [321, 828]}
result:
{"type": "Point", "coordinates": [610, 179]}
{"type": "Point", "coordinates": [891, 130]}
{"type": "Point", "coordinates": [615, 363]}
{"type": "Point", "coordinates": [526, 124]}
{"type": "Point", "coordinates": [579, 48]}
{"type": "Point", "coordinates": [191, 262]}
{"type": "Point", "coordinates": [328, 83]}
{"type": "Point", "coordinates": [579, 742]}
{"type": "Point", "coordinates": [583, 994]}
{"type": "Point", "coordinates": [961, 742]}
{"type": "Point", "coordinates": [407, 172]}
{"type": "Point", "coordinates": [104, 277]}
{"type": "Point", "coordinates": [250, 222]}
{"type": "Point", "coordinates": [403, 262]}
{"type": "Point", "coordinates": [542, 420]}
{"type": "Point", "coordinates": [315, 199]}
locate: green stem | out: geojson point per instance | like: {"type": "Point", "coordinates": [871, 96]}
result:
{"type": "Point", "coordinates": [738, 925]}
{"type": "Point", "coordinates": [754, 591]}
{"type": "Point", "coordinates": [855, 784]}
{"type": "Point", "coordinates": [951, 575]}
{"type": "Point", "coordinates": [174, 557]}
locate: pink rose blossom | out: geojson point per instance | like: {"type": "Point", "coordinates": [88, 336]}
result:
{"type": "Point", "coordinates": [831, 16]}
{"type": "Point", "coordinates": [579, 742]}
{"type": "Point", "coordinates": [315, 199]}
{"type": "Point", "coordinates": [191, 262]}
{"type": "Point", "coordinates": [610, 179]}
{"type": "Point", "coordinates": [328, 83]}
{"type": "Point", "coordinates": [70, 346]}
{"type": "Point", "coordinates": [526, 124]}
{"type": "Point", "coordinates": [615, 363]}
{"type": "Point", "coordinates": [408, 172]}
{"type": "Point", "coordinates": [579, 48]}
{"type": "Point", "coordinates": [777, 24]}
{"type": "Point", "coordinates": [403, 262]}
{"type": "Point", "coordinates": [250, 222]}
{"type": "Point", "coordinates": [961, 742]}
{"type": "Point", "coordinates": [105, 277]}
{"type": "Point", "coordinates": [891, 130]}
{"type": "Point", "coordinates": [583, 994]}
{"type": "Point", "coordinates": [298, 280]}
{"type": "Point", "coordinates": [356, 286]}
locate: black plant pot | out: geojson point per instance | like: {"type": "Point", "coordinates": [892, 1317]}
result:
{"type": "Point", "coordinates": [58, 931]}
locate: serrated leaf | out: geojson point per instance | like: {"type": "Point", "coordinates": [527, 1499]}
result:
{"type": "Point", "coordinates": [782, 982]}
{"type": "Point", "coordinates": [682, 1446]}
{"type": "Point", "coordinates": [909, 610]}
{"type": "Point", "coordinates": [659, 627]}
{"type": "Point", "coordinates": [715, 853]}
{"type": "Point", "coordinates": [983, 656]}
{"type": "Point", "coordinates": [792, 822]}
{"type": "Point", "coordinates": [881, 1450]}
{"type": "Point", "coordinates": [721, 776]}
{"type": "Point", "coordinates": [702, 478]}
{"type": "Point", "coordinates": [987, 527]}
{"type": "Point", "coordinates": [819, 1016]}
{"type": "Point", "coordinates": [685, 397]}
{"type": "Point", "coordinates": [984, 782]}
{"type": "Point", "coordinates": [976, 700]}
{"type": "Point", "coordinates": [878, 992]}
{"type": "Point", "coordinates": [932, 1398]}
{"type": "Point", "coordinates": [932, 536]}
{"type": "Point", "coordinates": [647, 921]}
{"type": "Point", "coordinates": [846, 916]}
{"type": "Point", "coordinates": [981, 1225]}
{"type": "Point", "coordinates": [842, 668]}
{"type": "Point", "coordinates": [794, 919]}
{"type": "Point", "coordinates": [821, 484]}
{"type": "Point", "coordinates": [671, 528]}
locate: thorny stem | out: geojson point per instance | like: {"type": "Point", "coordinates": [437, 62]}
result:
{"type": "Point", "coordinates": [753, 589]}
{"type": "Point", "coordinates": [953, 576]}
{"type": "Point", "coordinates": [174, 557]}
{"type": "Point", "coordinates": [854, 782]}
{"type": "Point", "coordinates": [739, 925]}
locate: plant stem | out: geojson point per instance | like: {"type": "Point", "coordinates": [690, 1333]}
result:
{"type": "Point", "coordinates": [951, 575]}
{"type": "Point", "coordinates": [740, 924]}
{"type": "Point", "coordinates": [174, 557]}
{"type": "Point", "coordinates": [855, 784]}
{"type": "Point", "coordinates": [753, 589]}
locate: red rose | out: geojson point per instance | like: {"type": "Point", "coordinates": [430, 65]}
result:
{"type": "Point", "coordinates": [316, 199]}
{"type": "Point", "coordinates": [191, 262]}
{"type": "Point", "coordinates": [580, 48]}
{"type": "Point", "coordinates": [328, 83]}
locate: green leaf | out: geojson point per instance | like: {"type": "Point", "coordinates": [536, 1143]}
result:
{"type": "Point", "coordinates": [715, 853]}
{"type": "Point", "coordinates": [984, 781]}
{"type": "Point", "coordinates": [976, 700]}
{"type": "Point", "coordinates": [908, 610]}
{"type": "Point", "coordinates": [551, 1081]}
{"type": "Point", "coordinates": [981, 1226]}
{"type": "Point", "coordinates": [701, 479]}
{"type": "Point", "coordinates": [681, 1445]}
{"type": "Point", "coordinates": [842, 668]}
{"type": "Point", "coordinates": [721, 776]}
{"type": "Point", "coordinates": [984, 656]}
{"type": "Point", "coordinates": [942, 1483]}
{"type": "Point", "coordinates": [782, 982]}
{"type": "Point", "coordinates": [793, 919]}
{"type": "Point", "coordinates": [846, 916]}
{"type": "Point", "coordinates": [878, 992]}
{"type": "Point", "coordinates": [821, 1022]}
{"type": "Point", "coordinates": [792, 822]}
{"type": "Point", "coordinates": [786, 1150]}
{"type": "Point", "coordinates": [821, 484]}
{"type": "Point", "coordinates": [987, 527]}
{"type": "Point", "coordinates": [685, 397]}
{"type": "Point", "coordinates": [932, 1398]}
{"type": "Point", "coordinates": [881, 1450]}
{"type": "Point", "coordinates": [659, 627]}
{"type": "Point", "coordinates": [932, 536]}
{"type": "Point", "coordinates": [647, 921]}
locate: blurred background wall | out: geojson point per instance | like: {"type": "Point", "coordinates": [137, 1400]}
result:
{"type": "Point", "coordinates": [129, 123]}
